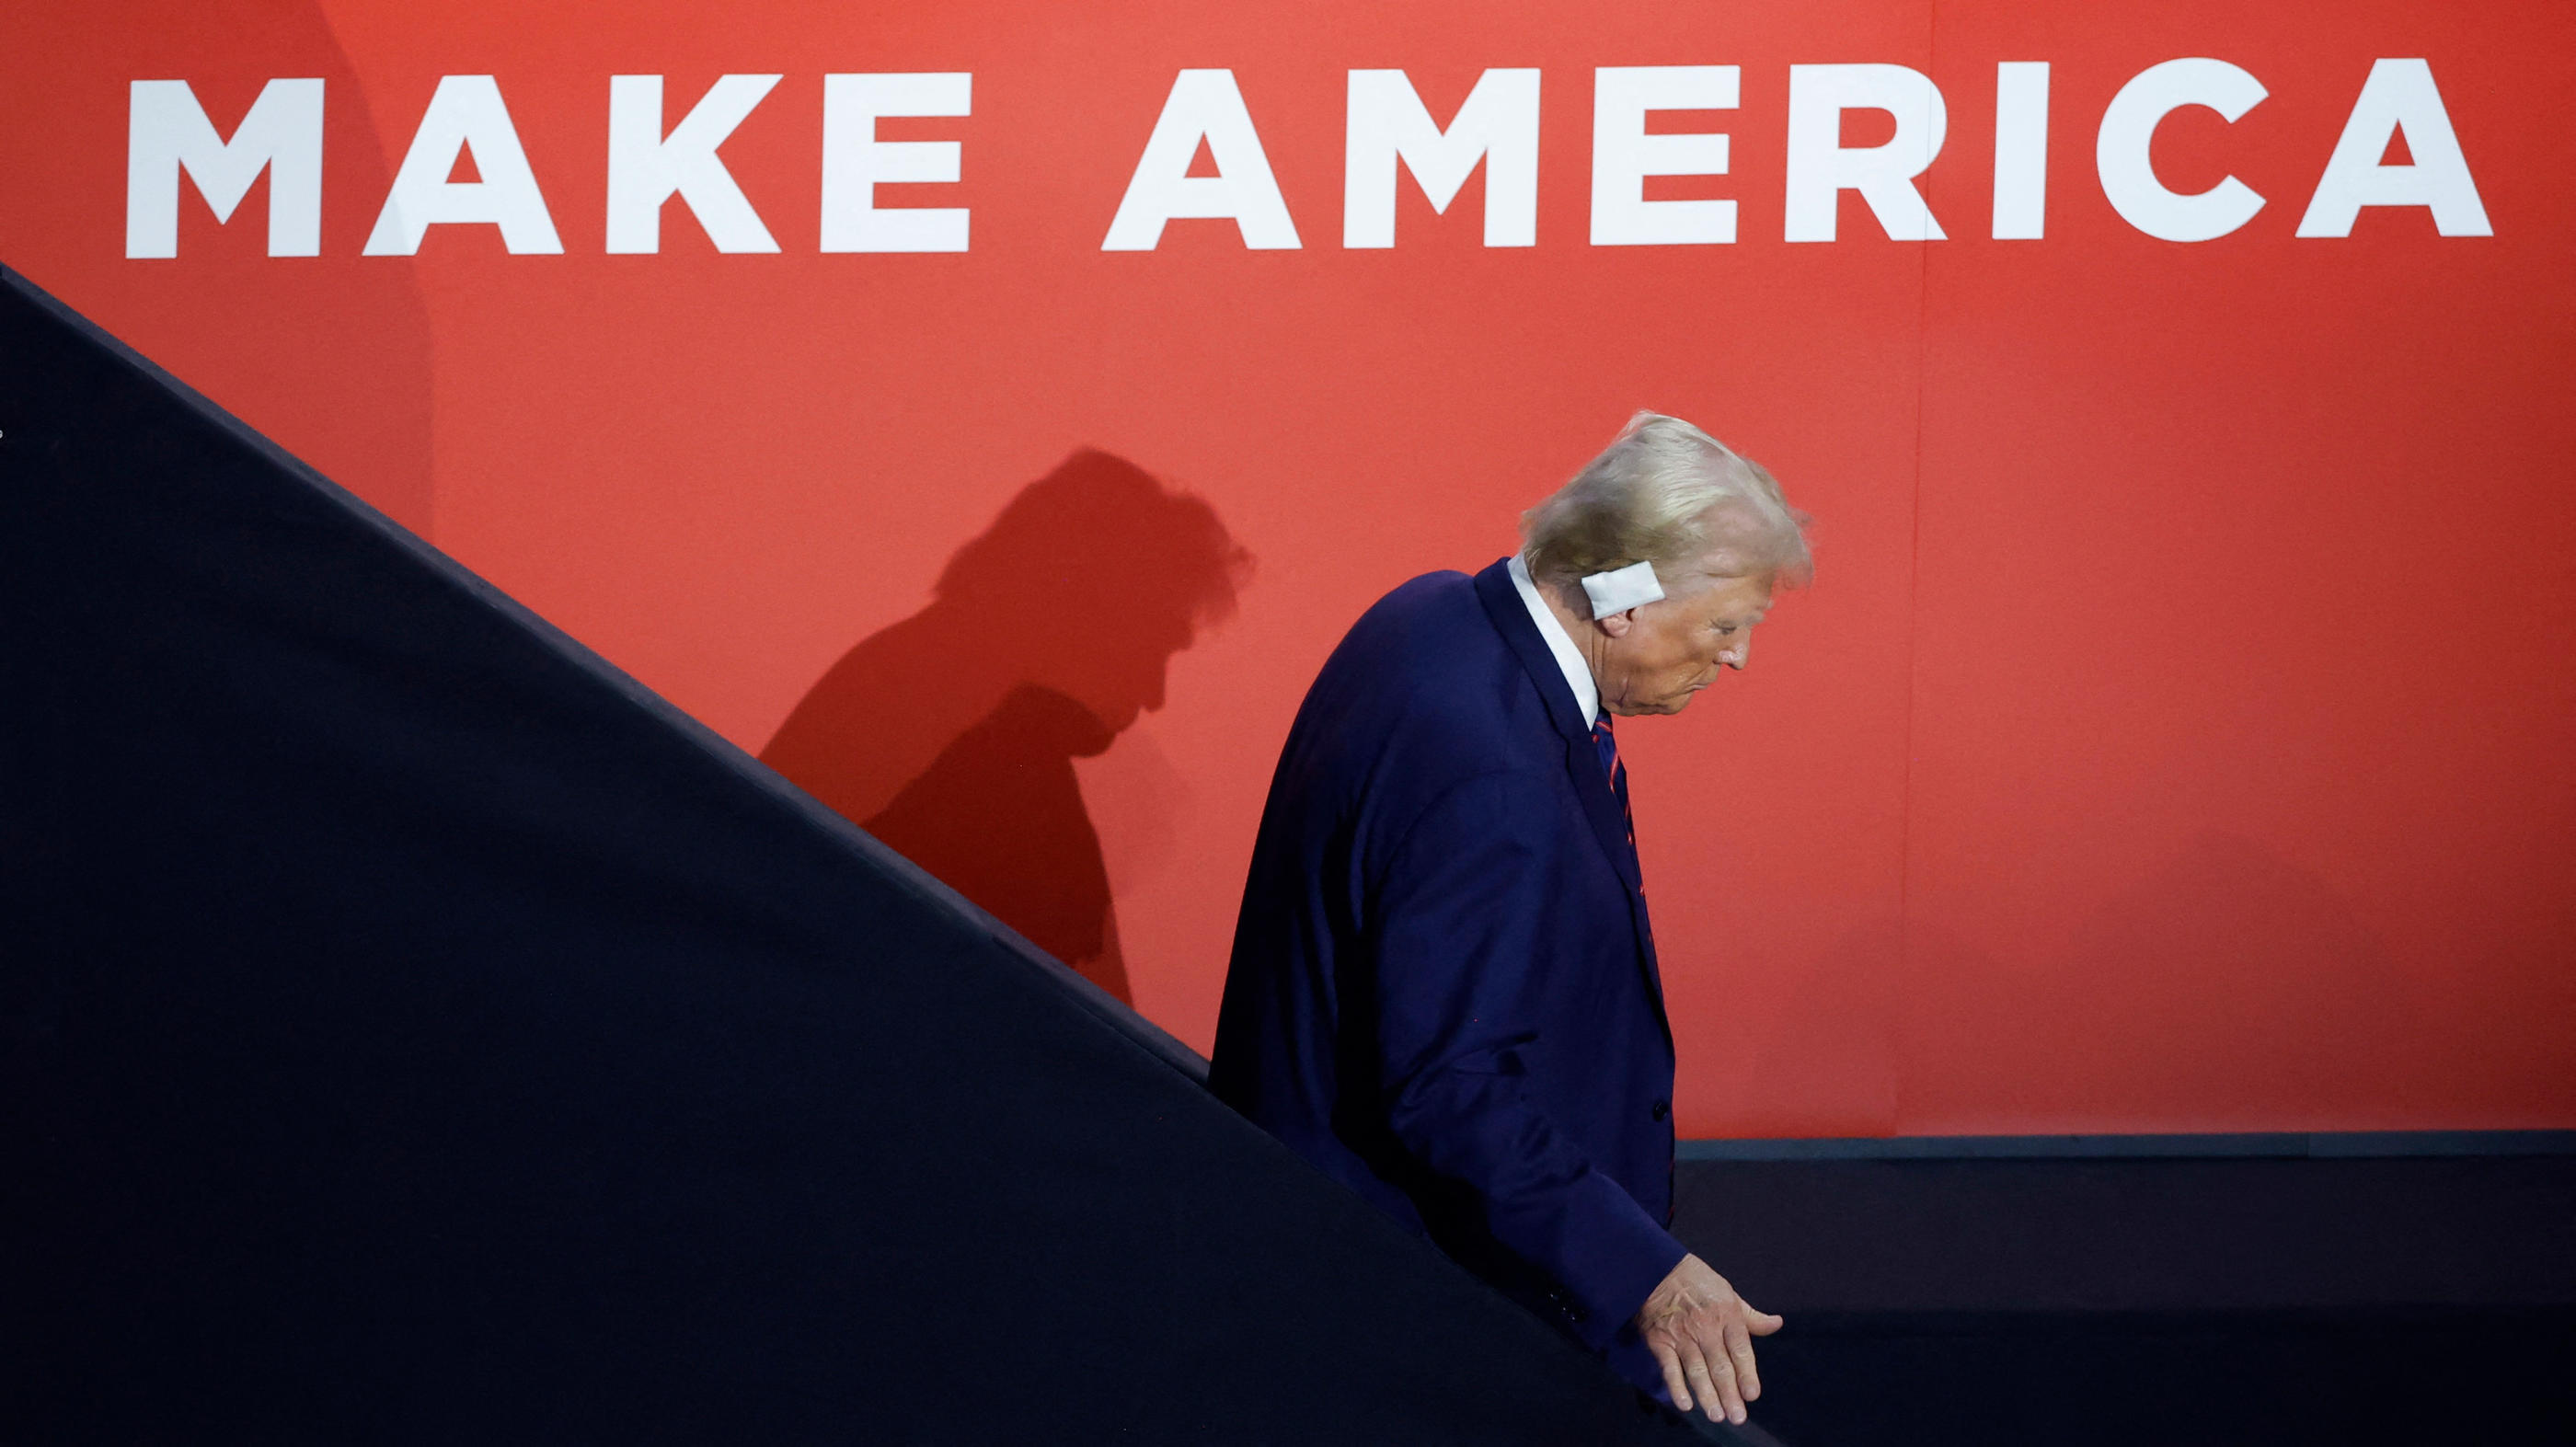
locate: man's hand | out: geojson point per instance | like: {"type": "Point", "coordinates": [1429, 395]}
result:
{"type": "Point", "coordinates": [1702, 1333]}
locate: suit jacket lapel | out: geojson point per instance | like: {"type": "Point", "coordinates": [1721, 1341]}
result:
{"type": "Point", "coordinates": [1511, 618]}
{"type": "Point", "coordinates": [1582, 761]}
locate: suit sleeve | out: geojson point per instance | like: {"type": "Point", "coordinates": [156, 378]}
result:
{"type": "Point", "coordinates": [1462, 907]}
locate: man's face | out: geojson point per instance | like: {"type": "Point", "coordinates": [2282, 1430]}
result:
{"type": "Point", "coordinates": [1672, 649]}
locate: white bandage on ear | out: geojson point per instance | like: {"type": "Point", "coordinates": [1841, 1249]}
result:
{"type": "Point", "coordinates": [1621, 589]}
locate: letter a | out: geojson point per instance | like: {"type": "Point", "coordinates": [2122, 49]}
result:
{"type": "Point", "coordinates": [2399, 93]}
{"type": "Point", "coordinates": [465, 110]}
{"type": "Point", "coordinates": [1204, 104]}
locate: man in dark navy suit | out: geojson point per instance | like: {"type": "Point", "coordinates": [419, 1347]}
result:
{"type": "Point", "coordinates": [1443, 989]}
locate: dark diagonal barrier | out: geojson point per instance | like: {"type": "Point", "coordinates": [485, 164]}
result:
{"type": "Point", "coordinates": [413, 1030]}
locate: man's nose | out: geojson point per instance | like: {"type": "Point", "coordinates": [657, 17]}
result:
{"type": "Point", "coordinates": [1738, 653]}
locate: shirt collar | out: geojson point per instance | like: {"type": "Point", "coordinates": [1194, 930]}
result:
{"type": "Point", "coordinates": [1569, 659]}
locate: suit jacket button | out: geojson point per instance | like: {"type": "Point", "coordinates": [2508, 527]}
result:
{"type": "Point", "coordinates": [1662, 1108]}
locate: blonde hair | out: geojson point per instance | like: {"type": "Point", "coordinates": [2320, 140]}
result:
{"type": "Point", "coordinates": [1666, 493]}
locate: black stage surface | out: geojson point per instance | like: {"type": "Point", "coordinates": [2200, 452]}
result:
{"type": "Point", "coordinates": [2167, 1298]}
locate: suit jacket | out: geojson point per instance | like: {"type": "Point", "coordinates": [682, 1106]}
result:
{"type": "Point", "coordinates": [1443, 988]}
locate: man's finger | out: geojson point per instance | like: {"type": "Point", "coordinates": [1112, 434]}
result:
{"type": "Point", "coordinates": [1739, 1347]}
{"type": "Point", "coordinates": [1721, 1373]}
{"type": "Point", "coordinates": [1758, 1321]}
{"type": "Point", "coordinates": [1696, 1363]}
{"type": "Point", "coordinates": [1673, 1384]}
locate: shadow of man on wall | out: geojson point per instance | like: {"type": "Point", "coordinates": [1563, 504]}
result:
{"type": "Point", "coordinates": [951, 735]}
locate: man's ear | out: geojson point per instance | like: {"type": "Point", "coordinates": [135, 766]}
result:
{"type": "Point", "coordinates": [1617, 624]}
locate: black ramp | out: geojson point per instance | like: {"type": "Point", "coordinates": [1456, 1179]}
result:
{"type": "Point", "coordinates": [413, 1030]}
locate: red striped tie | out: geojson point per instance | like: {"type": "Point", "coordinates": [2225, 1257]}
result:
{"type": "Point", "coordinates": [1607, 745]}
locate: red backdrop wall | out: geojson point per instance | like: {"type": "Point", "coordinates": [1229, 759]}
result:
{"type": "Point", "coordinates": [2176, 737]}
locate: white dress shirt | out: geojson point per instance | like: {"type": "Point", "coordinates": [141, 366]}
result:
{"type": "Point", "coordinates": [1578, 674]}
